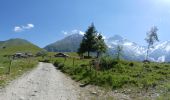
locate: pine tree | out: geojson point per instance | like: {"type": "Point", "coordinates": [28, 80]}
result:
{"type": "Point", "coordinates": [88, 41]}
{"type": "Point", "coordinates": [82, 48]}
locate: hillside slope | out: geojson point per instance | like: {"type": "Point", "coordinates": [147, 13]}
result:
{"type": "Point", "coordinates": [17, 45]}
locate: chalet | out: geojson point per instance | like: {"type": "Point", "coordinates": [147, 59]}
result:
{"type": "Point", "coordinates": [29, 54]}
{"type": "Point", "coordinates": [22, 55]}
{"type": "Point", "coordinates": [19, 55]}
{"type": "Point", "coordinates": [61, 55]}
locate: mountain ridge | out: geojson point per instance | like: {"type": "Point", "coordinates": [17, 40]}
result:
{"type": "Point", "coordinates": [131, 50]}
{"type": "Point", "coordinates": [160, 52]}
{"type": "Point", "coordinates": [14, 45]}
{"type": "Point", "coordinates": [69, 44]}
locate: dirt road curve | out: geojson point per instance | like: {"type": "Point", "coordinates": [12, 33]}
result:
{"type": "Point", "coordinates": [47, 83]}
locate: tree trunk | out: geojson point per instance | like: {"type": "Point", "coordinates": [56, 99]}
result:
{"type": "Point", "coordinates": [147, 53]}
{"type": "Point", "coordinates": [98, 54]}
{"type": "Point", "coordinates": [88, 53]}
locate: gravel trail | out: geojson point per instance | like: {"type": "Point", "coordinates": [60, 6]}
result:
{"type": "Point", "coordinates": [47, 83]}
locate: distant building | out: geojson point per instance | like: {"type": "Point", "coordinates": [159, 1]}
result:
{"type": "Point", "coordinates": [61, 55]}
{"type": "Point", "coordinates": [19, 55]}
{"type": "Point", "coordinates": [29, 54]}
{"type": "Point", "coordinates": [22, 55]}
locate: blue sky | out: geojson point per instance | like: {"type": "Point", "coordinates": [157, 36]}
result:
{"type": "Point", "coordinates": [44, 21]}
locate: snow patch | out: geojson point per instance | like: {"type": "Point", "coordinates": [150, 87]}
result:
{"type": "Point", "coordinates": [167, 48]}
{"type": "Point", "coordinates": [161, 59]}
{"type": "Point", "coordinates": [128, 44]}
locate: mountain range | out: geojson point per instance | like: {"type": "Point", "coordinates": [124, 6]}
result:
{"type": "Point", "coordinates": [131, 50]}
{"type": "Point", "coordinates": [160, 52]}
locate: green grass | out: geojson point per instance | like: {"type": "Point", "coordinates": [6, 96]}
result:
{"type": "Point", "coordinates": [12, 46]}
{"type": "Point", "coordinates": [120, 75]}
{"type": "Point", "coordinates": [18, 67]}
{"type": "Point", "coordinates": [23, 48]}
{"type": "Point", "coordinates": [72, 54]}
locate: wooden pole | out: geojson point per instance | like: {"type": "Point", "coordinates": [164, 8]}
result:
{"type": "Point", "coordinates": [73, 61]}
{"type": "Point", "coordinates": [10, 63]}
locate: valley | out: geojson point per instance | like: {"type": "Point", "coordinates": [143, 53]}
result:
{"type": "Point", "coordinates": [84, 50]}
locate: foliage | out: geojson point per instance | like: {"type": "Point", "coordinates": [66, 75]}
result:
{"type": "Point", "coordinates": [118, 74]}
{"type": "Point", "coordinates": [92, 42]}
{"type": "Point", "coordinates": [100, 46]}
{"type": "Point", "coordinates": [42, 53]}
{"type": "Point", "coordinates": [88, 42]}
{"type": "Point", "coordinates": [119, 50]}
{"type": "Point", "coordinates": [151, 39]}
{"type": "Point", "coordinates": [107, 62]}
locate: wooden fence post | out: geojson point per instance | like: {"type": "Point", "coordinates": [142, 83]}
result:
{"type": "Point", "coordinates": [73, 61]}
{"type": "Point", "coordinates": [10, 63]}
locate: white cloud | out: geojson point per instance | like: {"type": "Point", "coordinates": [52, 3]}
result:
{"type": "Point", "coordinates": [64, 32]}
{"type": "Point", "coordinates": [78, 32]}
{"type": "Point", "coordinates": [17, 29]}
{"type": "Point", "coordinates": [23, 28]}
{"type": "Point", "coordinates": [29, 26]}
{"type": "Point", "coordinates": [81, 33]}
{"type": "Point", "coordinates": [104, 37]}
{"type": "Point", "coordinates": [73, 32]}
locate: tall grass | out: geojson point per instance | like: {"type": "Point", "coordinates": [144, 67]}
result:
{"type": "Point", "coordinates": [115, 74]}
{"type": "Point", "coordinates": [17, 68]}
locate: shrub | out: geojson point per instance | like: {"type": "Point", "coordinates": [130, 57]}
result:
{"type": "Point", "coordinates": [60, 66]}
{"type": "Point", "coordinates": [46, 60]}
{"type": "Point", "coordinates": [131, 64]}
{"type": "Point", "coordinates": [107, 63]}
{"type": "Point", "coordinates": [56, 63]}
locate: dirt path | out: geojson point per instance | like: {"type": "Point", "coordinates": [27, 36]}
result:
{"type": "Point", "coordinates": [47, 83]}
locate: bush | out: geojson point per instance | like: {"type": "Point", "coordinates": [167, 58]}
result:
{"type": "Point", "coordinates": [45, 60]}
{"type": "Point", "coordinates": [131, 64]}
{"type": "Point", "coordinates": [60, 66]}
{"type": "Point", "coordinates": [56, 63]}
{"type": "Point", "coordinates": [87, 57]}
{"type": "Point", "coordinates": [107, 63]}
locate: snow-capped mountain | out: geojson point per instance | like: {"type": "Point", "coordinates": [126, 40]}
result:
{"type": "Point", "coordinates": [132, 51]}
{"type": "Point", "coordinates": [161, 51]}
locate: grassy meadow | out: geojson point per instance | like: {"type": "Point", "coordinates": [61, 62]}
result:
{"type": "Point", "coordinates": [17, 68]}
{"type": "Point", "coordinates": [20, 48]}
{"type": "Point", "coordinates": [129, 77]}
